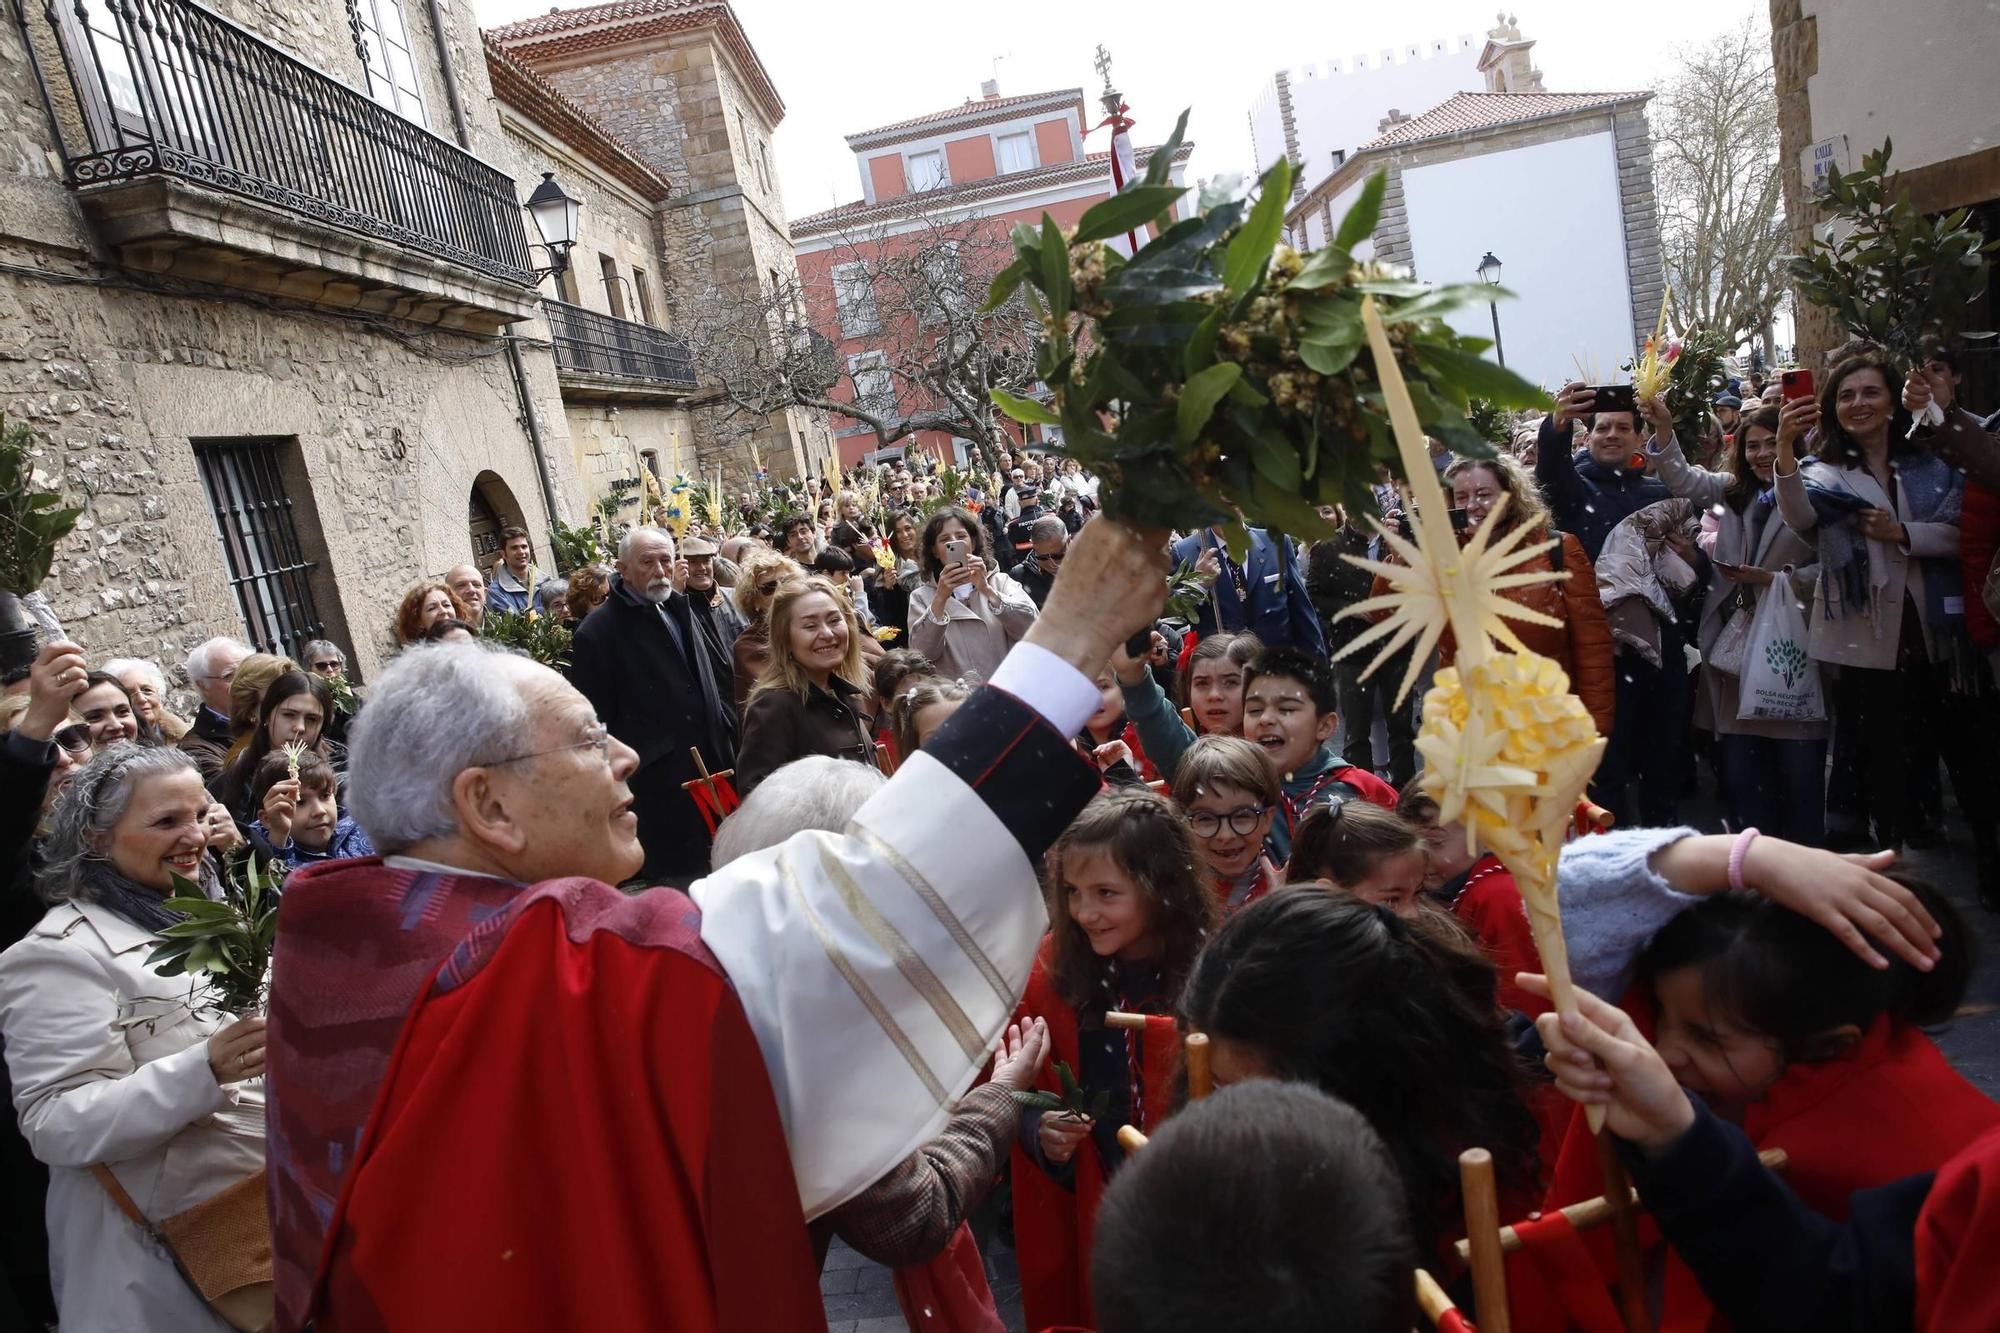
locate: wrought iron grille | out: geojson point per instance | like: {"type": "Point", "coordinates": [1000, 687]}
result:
{"type": "Point", "coordinates": [167, 87]}
{"type": "Point", "coordinates": [268, 570]}
{"type": "Point", "coordinates": [595, 344]}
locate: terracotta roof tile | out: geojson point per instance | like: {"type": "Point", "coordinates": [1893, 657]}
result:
{"type": "Point", "coordinates": [566, 32]}
{"type": "Point", "coordinates": [1088, 167]}
{"type": "Point", "coordinates": [975, 106]}
{"type": "Point", "coordinates": [1485, 111]}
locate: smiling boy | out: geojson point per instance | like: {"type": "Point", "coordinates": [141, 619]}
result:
{"type": "Point", "coordinates": [299, 819]}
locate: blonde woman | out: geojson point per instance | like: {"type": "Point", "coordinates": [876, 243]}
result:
{"type": "Point", "coordinates": [764, 572]}
{"type": "Point", "coordinates": [808, 700]}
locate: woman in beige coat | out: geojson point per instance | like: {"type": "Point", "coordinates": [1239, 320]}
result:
{"type": "Point", "coordinates": [1773, 773]}
{"type": "Point", "coordinates": [965, 615]}
{"type": "Point", "coordinates": [1884, 516]}
{"type": "Point", "coordinates": [109, 1062]}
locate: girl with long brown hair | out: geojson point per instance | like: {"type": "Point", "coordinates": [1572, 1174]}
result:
{"type": "Point", "coordinates": [808, 699]}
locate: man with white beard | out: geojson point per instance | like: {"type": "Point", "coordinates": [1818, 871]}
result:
{"type": "Point", "coordinates": [662, 688]}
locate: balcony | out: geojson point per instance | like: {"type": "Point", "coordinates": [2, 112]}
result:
{"type": "Point", "coordinates": [602, 356]}
{"type": "Point", "coordinates": [201, 151]}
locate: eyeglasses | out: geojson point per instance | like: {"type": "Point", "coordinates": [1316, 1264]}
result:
{"type": "Point", "coordinates": [75, 737]}
{"type": "Point", "coordinates": [598, 737]}
{"type": "Point", "coordinates": [1055, 559]}
{"type": "Point", "coordinates": [766, 589]}
{"type": "Point", "coordinates": [1206, 823]}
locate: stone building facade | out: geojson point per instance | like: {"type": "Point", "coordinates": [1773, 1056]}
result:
{"type": "Point", "coordinates": [269, 362]}
{"type": "Point", "coordinates": [678, 81]}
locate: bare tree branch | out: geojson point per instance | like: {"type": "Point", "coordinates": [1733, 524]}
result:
{"type": "Point", "coordinates": [1715, 164]}
{"type": "Point", "coordinates": [914, 298]}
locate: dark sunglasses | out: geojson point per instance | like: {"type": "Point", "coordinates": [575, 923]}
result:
{"type": "Point", "coordinates": [75, 737]}
{"type": "Point", "coordinates": [1055, 559]}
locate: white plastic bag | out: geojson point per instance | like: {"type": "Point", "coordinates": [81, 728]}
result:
{"type": "Point", "coordinates": [1780, 680]}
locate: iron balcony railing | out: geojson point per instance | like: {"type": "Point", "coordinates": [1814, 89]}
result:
{"type": "Point", "coordinates": [167, 87]}
{"type": "Point", "coordinates": [590, 343]}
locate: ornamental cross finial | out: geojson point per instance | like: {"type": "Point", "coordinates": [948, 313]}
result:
{"type": "Point", "coordinates": [1102, 62]}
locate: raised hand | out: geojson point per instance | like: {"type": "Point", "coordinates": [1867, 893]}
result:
{"type": "Point", "coordinates": [1600, 1058]}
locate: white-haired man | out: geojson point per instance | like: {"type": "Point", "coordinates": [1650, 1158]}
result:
{"type": "Point", "coordinates": [211, 665]}
{"type": "Point", "coordinates": [505, 1098]}
{"type": "Point", "coordinates": [663, 687]}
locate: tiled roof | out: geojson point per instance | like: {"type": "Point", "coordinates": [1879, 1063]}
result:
{"type": "Point", "coordinates": [980, 106]}
{"type": "Point", "coordinates": [1091, 166]}
{"type": "Point", "coordinates": [1468, 112]}
{"type": "Point", "coordinates": [524, 90]}
{"type": "Point", "coordinates": [567, 32]}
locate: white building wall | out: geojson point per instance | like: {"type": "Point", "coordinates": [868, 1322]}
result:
{"type": "Point", "coordinates": [1564, 259]}
{"type": "Point", "coordinates": [1942, 106]}
{"type": "Point", "coordinates": [1339, 103]}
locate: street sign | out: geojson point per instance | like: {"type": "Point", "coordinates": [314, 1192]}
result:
{"type": "Point", "coordinates": [1824, 157]}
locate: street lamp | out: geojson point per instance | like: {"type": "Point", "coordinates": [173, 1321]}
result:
{"type": "Point", "coordinates": [1489, 273]}
{"type": "Point", "coordinates": [554, 214]}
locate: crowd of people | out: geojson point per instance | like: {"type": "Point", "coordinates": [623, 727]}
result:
{"type": "Point", "coordinates": [813, 898]}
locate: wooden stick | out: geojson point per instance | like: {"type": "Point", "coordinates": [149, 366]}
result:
{"type": "Point", "coordinates": [1482, 1231]}
{"type": "Point", "coordinates": [1130, 1139]}
{"type": "Point", "coordinates": [1187, 716]}
{"type": "Point", "coordinates": [707, 780]}
{"type": "Point", "coordinates": [1114, 1018]}
{"type": "Point", "coordinates": [1200, 1081]}
{"type": "Point", "coordinates": [1592, 1213]}
{"type": "Point", "coordinates": [1431, 1298]}
{"type": "Point", "coordinates": [1618, 1196]}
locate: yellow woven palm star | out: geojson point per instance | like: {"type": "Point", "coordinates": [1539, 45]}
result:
{"type": "Point", "coordinates": [1463, 588]}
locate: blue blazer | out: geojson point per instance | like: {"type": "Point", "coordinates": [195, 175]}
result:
{"type": "Point", "coordinates": [1280, 609]}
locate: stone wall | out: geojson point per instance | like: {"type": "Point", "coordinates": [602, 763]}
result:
{"type": "Point", "coordinates": [1795, 57]}
{"type": "Point", "coordinates": [379, 428]}
{"type": "Point", "coordinates": [1643, 255]}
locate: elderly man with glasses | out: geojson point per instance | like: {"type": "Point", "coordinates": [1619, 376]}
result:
{"type": "Point", "coordinates": [211, 666]}
{"type": "Point", "coordinates": [504, 1094]}
{"type": "Point", "coordinates": [1048, 540]}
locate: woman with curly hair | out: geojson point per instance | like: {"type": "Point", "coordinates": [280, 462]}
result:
{"type": "Point", "coordinates": [764, 572]}
{"type": "Point", "coordinates": [423, 606]}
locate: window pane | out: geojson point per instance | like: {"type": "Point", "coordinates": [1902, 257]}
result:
{"type": "Point", "coordinates": [854, 299]}
{"type": "Point", "coordinates": [385, 54]}
{"type": "Point", "coordinates": [1017, 153]}
{"type": "Point", "coordinates": [926, 170]}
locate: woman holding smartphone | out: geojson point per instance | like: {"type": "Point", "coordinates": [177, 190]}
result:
{"type": "Point", "coordinates": [1884, 516]}
{"type": "Point", "coordinates": [1773, 773]}
{"type": "Point", "coordinates": [965, 615]}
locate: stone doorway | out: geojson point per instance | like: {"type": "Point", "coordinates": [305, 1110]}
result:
{"type": "Point", "coordinates": [492, 506]}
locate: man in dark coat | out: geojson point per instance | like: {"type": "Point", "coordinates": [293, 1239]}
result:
{"type": "Point", "coordinates": [714, 611]}
{"type": "Point", "coordinates": [1019, 528]}
{"type": "Point", "coordinates": [662, 686]}
{"type": "Point", "coordinates": [1264, 594]}
{"type": "Point", "coordinates": [1048, 538]}
{"type": "Point", "coordinates": [211, 665]}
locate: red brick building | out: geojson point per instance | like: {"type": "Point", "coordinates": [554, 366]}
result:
{"type": "Point", "coordinates": [983, 166]}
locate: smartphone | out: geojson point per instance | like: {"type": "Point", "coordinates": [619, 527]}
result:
{"type": "Point", "coordinates": [955, 551]}
{"type": "Point", "coordinates": [1795, 384]}
{"type": "Point", "coordinates": [1614, 398]}
{"type": "Point", "coordinates": [1459, 522]}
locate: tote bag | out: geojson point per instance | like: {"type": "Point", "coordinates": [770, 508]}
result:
{"type": "Point", "coordinates": [1780, 680]}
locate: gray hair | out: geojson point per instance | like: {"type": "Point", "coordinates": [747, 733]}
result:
{"type": "Point", "coordinates": [1048, 525]}
{"type": "Point", "coordinates": [435, 711]}
{"type": "Point", "coordinates": [198, 656]}
{"type": "Point", "coordinates": [322, 648]}
{"type": "Point", "coordinates": [817, 792]}
{"type": "Point", "coordinates": [625, 542]}
{"type": "Point", "coordinates": [552, 590]}
{"type": "Point", "coordinates": [97, 798]}
{"type": "Point", "coordinates": [124, 666]}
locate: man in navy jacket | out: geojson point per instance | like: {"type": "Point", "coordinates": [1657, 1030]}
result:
{"type": "Point", "coordinates": [1264, 594]}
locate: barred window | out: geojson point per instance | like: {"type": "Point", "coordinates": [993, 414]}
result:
{"type": "Point", "coordinates": [259, 533]}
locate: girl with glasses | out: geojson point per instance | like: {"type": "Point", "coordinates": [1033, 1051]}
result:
{"type": "Point", "coordinates": [1229, 791]}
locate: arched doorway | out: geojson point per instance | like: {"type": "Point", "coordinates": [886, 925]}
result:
{"type": "Point", "coordinates": [491, 507]}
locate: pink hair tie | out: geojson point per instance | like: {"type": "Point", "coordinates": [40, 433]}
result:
{"type": "Point", "coordinates": [1737, 852]}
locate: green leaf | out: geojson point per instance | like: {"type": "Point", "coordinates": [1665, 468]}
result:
{"type": "Point", "coordinates": [1250, 248]}
{"type": "Point", "coordinates": [1027, 411]}
{"type": "Point", "coordinates": [1330, 356]}
{"type": "Point", "coordinates": [1200, 352]}
{"type": "Point", "coordinates": [1477, 377]}
{"type": "Point", "coordinates": [1066, 1080]}
{"type": "Point", "coordinates": [1325, 268]}
{"type": "Point", "coordinates": [1437, 300]}
{"type": "Point", "coordinates": [1037, 1100]}
{"type": "Point", "coordinates": [1198, 399]}
{"type": "Point", "coordinates": [1359, 224]}
{"type": "Point", "coordinates": [1275, 461]}
{"type": "Point", "coordinates": [1401, 288]}
{"type": "Point", "coordinates": [1161, 164]}
{"type": "Point", "coordinates": [1130, 209]}
{"type": "Point", "coordinates": [1005, 282]}
{"type": "Point", "coordinates": [1055, 273]}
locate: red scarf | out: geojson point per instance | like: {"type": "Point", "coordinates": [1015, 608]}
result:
{"type": "Point", "coordinates": [1489, 903]}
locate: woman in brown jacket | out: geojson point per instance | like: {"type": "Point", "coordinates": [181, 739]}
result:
{"type": "Point", "coordinates": [807, 701]}
{"type": "Point", "coordinates": [1581, 645]}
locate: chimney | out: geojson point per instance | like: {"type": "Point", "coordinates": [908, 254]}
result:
{"type": "Point", "coordinates": [1390, 121]}
{"type": "Point", "coordinates": [990, 89]}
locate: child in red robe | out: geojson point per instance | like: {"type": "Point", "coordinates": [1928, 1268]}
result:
{"type": "Point", "coordinates": [1128, 914]}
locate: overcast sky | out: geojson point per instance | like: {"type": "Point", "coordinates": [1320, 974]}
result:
{"type": "Point", "coordinates": [844, 67]}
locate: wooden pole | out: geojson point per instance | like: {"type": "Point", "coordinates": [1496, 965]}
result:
{"type": "Point", "coordinates": [1114, 1018]}
{"type": "Point", "coordinates": [1201, 1081]}
{"type": "Point", "coordinates": [1431, 1298]}
{"type": "Point", "coordinates": [1592, 1213]}
{"type": "Point", "coordinates": [1482, 1232]}
{"type": "Point", "coordinates": [706, 780]}
{"type": "Point", "coordinates": [1130, 1139]}
{"type": "Point", "coordinates": [1625, 1238]}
